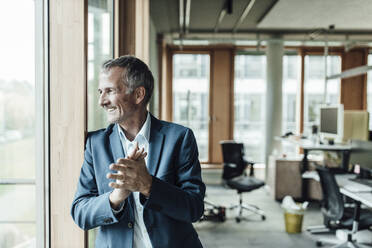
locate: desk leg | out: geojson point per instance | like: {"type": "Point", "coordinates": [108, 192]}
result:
{"type": "Point", "coordinates": [345, 160]}
{"type": "Point", "coordinates": [304, 186]}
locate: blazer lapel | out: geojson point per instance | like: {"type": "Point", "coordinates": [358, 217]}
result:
{"type": "Point", "coordinates": [155, 146]}
{"type": "Point", "coordinates": [116, 146]}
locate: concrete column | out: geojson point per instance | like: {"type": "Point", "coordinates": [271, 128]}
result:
{"type": "Point", "coordinates": [274, 78]}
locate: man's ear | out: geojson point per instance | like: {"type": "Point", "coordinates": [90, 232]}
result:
{"type": "Point", "coordinates": [139, 94]}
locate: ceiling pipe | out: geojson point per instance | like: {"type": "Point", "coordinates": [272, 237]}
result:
{"type": "Point", "coordinates": [181, 17]}
{"type": "Point", "coordinates": [219, 20]}
{"type": "Point", "coordinates": [187, 15]}
{"type": "Point", "coordinates": [244, 15]}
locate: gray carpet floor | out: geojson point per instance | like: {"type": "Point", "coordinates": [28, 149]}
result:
{"type": "Point", "coordinates": [255, 232]}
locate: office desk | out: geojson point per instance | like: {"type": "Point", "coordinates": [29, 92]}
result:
{"type": "Point", "coordinates": [359, 198]}
{"type": "Point", "coordinates": [307, 147]}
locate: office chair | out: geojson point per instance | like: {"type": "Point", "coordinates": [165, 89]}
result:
{"type": "Point", "coordinates": [336, 215]}
{"type": "Point", "coordinates": [234, 176]}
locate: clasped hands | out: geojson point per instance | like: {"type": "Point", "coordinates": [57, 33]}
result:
{"type": "Point", "coordinates": [131, 176]}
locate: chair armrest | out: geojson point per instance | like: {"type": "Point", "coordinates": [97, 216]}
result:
{"type": "Point", "coordinates": [251, 167]}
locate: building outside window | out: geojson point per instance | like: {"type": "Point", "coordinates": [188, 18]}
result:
{"type": "Point", "coordinates": [191, 96]}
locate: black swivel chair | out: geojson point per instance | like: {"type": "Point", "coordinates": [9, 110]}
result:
{"type": "Point", "coordinates": [234, 176]}
{"type": "Point", "coordinates": [336, 215]}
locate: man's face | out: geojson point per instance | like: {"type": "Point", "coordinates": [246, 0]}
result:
{"type": "Point", "coordinates": [114, 99]}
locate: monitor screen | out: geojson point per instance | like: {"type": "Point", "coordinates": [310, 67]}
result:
{"type": "Point", "coordinates": [329, 120]}
{"type": "Point", "coordinates": [361, 153]}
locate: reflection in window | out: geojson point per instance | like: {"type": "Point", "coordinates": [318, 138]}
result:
{"type": "Point", "coordinates": [17, 123]}
{"type": "Point", "coordinates": [314, 87]}
{"type": "Point", "coordinates": [191, 96]}
{"type": "Point", "coordinates": [100, 49]}
{"type": "Point", "coordinates": [249, 104]}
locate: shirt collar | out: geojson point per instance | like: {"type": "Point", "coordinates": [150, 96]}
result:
{"type": "Point", "coordinates": [144, 132]}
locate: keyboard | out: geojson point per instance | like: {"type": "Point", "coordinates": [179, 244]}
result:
{"type": "Point", "coordinates": [367, 182]}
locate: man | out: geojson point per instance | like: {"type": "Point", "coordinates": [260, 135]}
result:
{"type": "Point", "coordinates": [141, 179]}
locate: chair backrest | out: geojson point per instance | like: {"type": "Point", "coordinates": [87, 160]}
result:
{"type": "Point", "coordinates": [233, 162]}
{"type": "Point", "coordinates": [333, 203]}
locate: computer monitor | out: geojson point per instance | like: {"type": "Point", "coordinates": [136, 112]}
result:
{"type": "Point", "coordinates": [361, 154]}
{"type": "Point", "coordinates": [332, 122]}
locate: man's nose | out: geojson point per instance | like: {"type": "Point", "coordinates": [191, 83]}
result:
{"type": "Point", "coordinates": [102, 101]}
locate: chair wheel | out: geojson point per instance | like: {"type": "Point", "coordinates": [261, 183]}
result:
{"type": "Point", "coordinates": [319, 243]}
{"type": "Point", "coordinates": [237, 219]}
{"type": "Point", "coordinates": [263, 217]}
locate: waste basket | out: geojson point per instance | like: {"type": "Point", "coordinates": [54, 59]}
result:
{"type": "Point", "coordinates": [293, 214]}
{"type": "Point", "coordinates": [293, 221]}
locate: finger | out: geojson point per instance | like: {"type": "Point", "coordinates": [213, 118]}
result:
{"type": "Point", "coordinates": [134, 150]}
{"type": "Point", "coordinates": [138, 153]}
{"type": "Point", "coordinates": [117, 167]}
{"type": "Point", "coordinates": [143, 155]}
{"type": "Point", "coordinates": [116, 185]}
{"type": "Point", "coordinates": [115, 176]}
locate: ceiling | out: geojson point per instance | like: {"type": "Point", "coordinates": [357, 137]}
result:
{"type": "Point", "coordinates": [296, 20]}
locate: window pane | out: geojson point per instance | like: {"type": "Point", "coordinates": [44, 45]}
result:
{"type": "Point", "coordinates": [17, 89]}
{"type": "Point", "coordinates": [249, 104]}
{"type": "Point", "coordinates": [191, 96]}
{"type": "Point", "coordinates": [291, 79]}
{"type": "Point", "coordinates": [100, 49]}
{"type": "Point", "coordinates": [369, 91]}
{"type": "Point", "coordinates": [18, 201]}
{"type": "Point", "coordinates": [314, 87]}
{"type": "Point", "coordinates": [17, 222]}
{"type": "Point", "coordinates": [20, 235]}
{"type": "Point", "coordinates": [17, 121]}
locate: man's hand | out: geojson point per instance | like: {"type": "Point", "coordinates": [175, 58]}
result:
{"type": "Point", "coordinates": [131, 176]}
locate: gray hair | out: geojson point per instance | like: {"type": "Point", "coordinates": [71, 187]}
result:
{"type": "Point", "coordinates": [137, 74]}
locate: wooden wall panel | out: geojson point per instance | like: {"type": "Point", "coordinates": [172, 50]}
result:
{"type": "Point", "coordinates": [354, 89]}
{"type": "Point", "coordinates": [220, 100]}
{"type": "Point", "coordinates": [132, 28]}
{"type": "Point", "coordinates": [67, 22]}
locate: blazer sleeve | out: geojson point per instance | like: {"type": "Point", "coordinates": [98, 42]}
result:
{"type": "Point", "coordinates": [185, 200]}
{"type": "Point", "coordinates": [89, 209]}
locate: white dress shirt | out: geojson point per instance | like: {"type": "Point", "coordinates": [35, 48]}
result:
{"type": "Point", "coordinates": [141, 237]}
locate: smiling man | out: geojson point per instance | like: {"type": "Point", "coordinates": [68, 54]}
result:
{"type": "Point", "coordinates": [140, 182]}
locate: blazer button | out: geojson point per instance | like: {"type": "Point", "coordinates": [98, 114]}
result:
{"type": "Point", "coordinates": [130, 224]}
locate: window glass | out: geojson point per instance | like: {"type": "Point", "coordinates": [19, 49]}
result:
{"type": "Point", "coordinates": [100, 49]}
{"type": "Point", "coordinates": [314, 87]}
{"type": "Point", "coordinates": [291, 79]}
{"type": "Point", "coordinates": [369, 91]}
{"type": "Point", "coordinates": [17, 123]}
{"type": "Point", "coordinates": [191, 96]}
{"type": "Point", "coordinates": [249, 104]}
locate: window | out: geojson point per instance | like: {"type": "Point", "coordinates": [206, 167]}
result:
{"type": "Point", "coordinates": [18, 118]}
{"type": "Point", "coordinates": [191, 96]}
{"type": "Point", "coordinates": [291, 79]}
{"type": "Point", "coordinates": [369, 91]}
{"type": "Point", "coordinates": [249, 104]}
{"type": "Point", "coordinates": [314, 87]}
{"type": "Point", "coordinates": [100, 49]}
